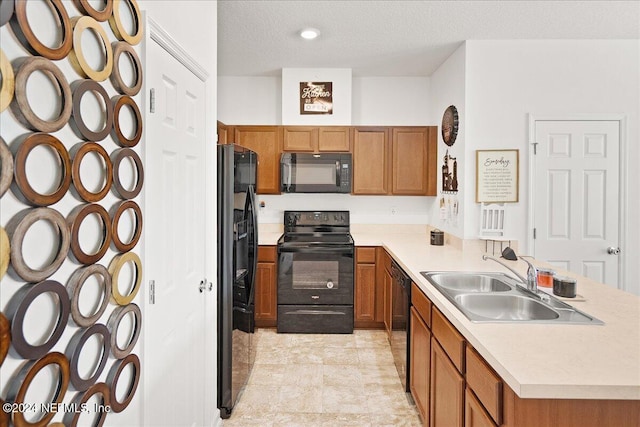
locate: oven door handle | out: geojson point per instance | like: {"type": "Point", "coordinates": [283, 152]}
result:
{"type": "Point", "coordinates": [316, 249]}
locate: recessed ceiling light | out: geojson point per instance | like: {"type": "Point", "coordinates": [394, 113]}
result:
{"type": "Point", "coordinates": [309, 33]}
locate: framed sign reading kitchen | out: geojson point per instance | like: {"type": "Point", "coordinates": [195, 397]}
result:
{"type": "Point", "coordinates": [316, 98]}
{"type": "Point", "coordinates": [497, 176]}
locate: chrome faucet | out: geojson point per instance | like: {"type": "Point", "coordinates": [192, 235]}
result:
{"type": "Point", "coordinates": [532, 273]}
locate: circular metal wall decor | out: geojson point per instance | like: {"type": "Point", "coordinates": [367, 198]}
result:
{"type": "Point", "coordinates": [5, 337]}
{"type": "Point", "coordinates": [76, 56]}
{"type": "Point", "coordinates": [124, 48]}
{"type": "Point", "coordinates": [20, 106]}
{"type": "Point", "coordinates": [6, 11]}
{"type": "Point", "coordinates": [23, 32]}
{"type": "Point", "coordinates": [71, 418]}
{"type": "Point", "coordinates": [114, 323]}
{"type": "Point", "coordinates": [118, 103]}
{"type": "Point", "coordinates": [21, 382]}
{"type": "Point", "coordinates": [85, 7]}
{"type": "Point", "coordinates": [116, 158]}
{"type": "Point", "coordinates": [450, 124]}
{"type": "Point", "coordinates": [114, 376]}
{"type": "Point", "coordinates": [114, 269]}
{"type": "Point", "coordinates": [118, 28]}
{"type": "Point", "coordinates": [79, 89]}
{"type": "Point", "coordinates": [122, 207]}
{"type": "Point", "coordinates": [17, 229]}
{"type": "Point", "coordinates": [78, 152]}
{"type": "Point", "coordinates": [27, 192]}
{"type": "Point", "coordinates": [74, 221]}
{"type": "Point", "coordinates": [5, 252]}
{"type": "Point", "coordinates": [18, 306]}
{"type": "Point", "coordinates": [6, 167]}
{"type": "Point", "coordinates": [8, 79]}
{"type": "Point", "coordinates": [74, 349]}
{"type": "Point", "coordinates": [74, 288]}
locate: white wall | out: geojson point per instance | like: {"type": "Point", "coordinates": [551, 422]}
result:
{"type": "Point", "coordinates": [507, 80]}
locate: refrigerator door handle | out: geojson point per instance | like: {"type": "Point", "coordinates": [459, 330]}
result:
{"type": "Point", "coordinates": [254, 220]}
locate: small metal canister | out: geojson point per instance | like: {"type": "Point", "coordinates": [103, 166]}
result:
{"type": "Point", "coordinates": [437, 237]}
{"type": "Point", "coordinates": [564, 286]}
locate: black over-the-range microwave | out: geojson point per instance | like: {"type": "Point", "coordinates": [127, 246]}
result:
{"type": "Point", "coordinates": [315, 173]}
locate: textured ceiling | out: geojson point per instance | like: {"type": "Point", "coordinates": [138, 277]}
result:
{"type": "Point", "coordinates": [398, 38]}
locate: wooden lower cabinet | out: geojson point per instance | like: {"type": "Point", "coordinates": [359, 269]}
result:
{"type": "Point", "coordinates": [447, 390]}
{"type": "Point", "coordinates": [365, 294]}
{"type": "Point", "coordinates": [266, 287]}
{"type": "Point", "coordinates": [474, 413]}
{"type": "Point", "coordinates": [420, 364]}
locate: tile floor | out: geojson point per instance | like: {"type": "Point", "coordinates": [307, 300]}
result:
{"type": "Point", "coordinates": [323, 380]}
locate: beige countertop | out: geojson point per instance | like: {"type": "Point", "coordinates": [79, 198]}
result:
{"type": "Point", "coordinates": [535, 360]}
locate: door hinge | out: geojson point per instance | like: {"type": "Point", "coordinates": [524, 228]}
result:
{"type": "Point", "coordinates": [535, 147]}
{"type": "Point", "coordinates": [152, 291]}
{"type": "Point", "coordinates": [152, 100]}
{"type": "Point", "coordinates": [534, 233]}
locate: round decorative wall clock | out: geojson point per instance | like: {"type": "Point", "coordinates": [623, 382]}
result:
{"type": "Point", "coordinates": [450, 125]}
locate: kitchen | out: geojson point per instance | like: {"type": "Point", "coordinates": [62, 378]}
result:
{"type": "Point", "coordinates": [483, 79]}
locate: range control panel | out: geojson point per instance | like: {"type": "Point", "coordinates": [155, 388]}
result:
{"type": "Point", "coordinates": [316, 218]}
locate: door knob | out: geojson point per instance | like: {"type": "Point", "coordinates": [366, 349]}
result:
{"type": "Point", "coordinates": [613, 251]}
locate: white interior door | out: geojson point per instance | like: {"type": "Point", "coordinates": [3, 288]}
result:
{"type": "Point", "coordinates": [576, 201]}
{"type": "Point", "coordinates": [175, 241]}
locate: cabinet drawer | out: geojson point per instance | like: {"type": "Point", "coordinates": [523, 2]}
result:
{"type": "Point", "coordinates": [366, 255]}
{"type": "Point", "coordinates": [449, 338]}
{"type": "Point", "coordinates": [266, 254]}
{"type": "Point", "coordinates": [421, 304]}
{"type": "Point", "coordinates": [485, 383]}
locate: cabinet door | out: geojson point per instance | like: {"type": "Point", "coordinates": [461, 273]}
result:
{"type": "Point", "coordinates": [299, 138]}
{"type": "Point", "coordinates": [265, 294]}
{"type": "Point", "coordinates": [420, 361]}
{"type": "Point", "coordinates": [266, 142]}
{"type": "Point", "coordinates": [225, 134]}
{"type": "Point", "coordinates": [334, 138]}
{"type": "Point", "coordinates": [365, 293]}
{"type": "Point", "coordinates": [370, 161]}
{"type": "Point", "coordinates": [387, 295]}
{"type": "Point", "coordinates": [474, 413]}
{"type": "Point", "coordinates": [447, 390]}
{"type": "Point", "coordinates": [409, 161]}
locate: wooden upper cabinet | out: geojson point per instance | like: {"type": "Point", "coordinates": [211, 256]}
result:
{"type": "Point", "coordinates": [225, 133]}
{"type": "Point", "coordinates": [316, 139]}
{"type": "Point", "coordinates": [410, 159]}
{"type": "Point", "coordinates": [266, 142]}
{"type": "Point", "coordinates": [370, 160]}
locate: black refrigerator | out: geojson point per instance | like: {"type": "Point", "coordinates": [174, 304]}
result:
{"type": "Point", "coordinates": [237, 262]}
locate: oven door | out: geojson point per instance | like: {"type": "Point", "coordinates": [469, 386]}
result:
{"type": "Point", "coordinates": [315, 274]}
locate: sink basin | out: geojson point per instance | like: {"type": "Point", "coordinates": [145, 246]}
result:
{"type": "Point", "coordinates": [505, 307]}
{"type": "Point", "coordinates": [497, 297]}
{"type": "Point", "coordinates": [469, 282]}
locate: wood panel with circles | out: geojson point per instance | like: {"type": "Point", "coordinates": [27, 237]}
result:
{"type": "Point", "coordinates": [5, 252]}
{"type": "Point", "coordinates": [4, 417]}
{"type": "Point", "coordinates": [18, 227]}
{"type": "Point", "coordinates": [20, 106]}
{"type": "Point", "coordinates": [6, 11]}
{"type": "Point", "coordinates": [118, 211]}
{"type": "Point", "coordinates": [21, 382]}
{"type": "Point", "coordinates": [77, 57]}
{"type": "Point", "coordinates": [25, 35]}
{"type": "Point", "coordinates": [5, 337]}
{"type": "Point", "coordinates": [80, 89]}
{"type": "Point", "coordinates": [8, 80]}
{"type": "Point", "coordinates": [115, 266]}
{"type": "Point", "coordinates": [113, 325]}
{"type": "Point", "coordinates": [86, 8]}
{"type": "Point", "coordinates": [74, 352]}
{"type": "Point", "coordinates": [120, 102]}
{"type": "Point", "coordinates": [74, 221]}
{"type": "Point", "coordinates": [17, 310]}
{"type": "Point", "coordinates": [74, 288]}
{"type": "Point", "coordinates": [116, 159]}
{"type": "Point", "coordinates": [6, 167]}
{"type": "Point", "coordinates": [71, 419]}
{"type": "Point", "coordinates": [126, 50]}
{"type": "Point", "coordinates": [26, 191]}
{"type": "Point", "coordinates": [114, 376]}
{"type": "Point", "coordinates": [118, 27]}
{"type": "Point", "coordinates": [78, 153]}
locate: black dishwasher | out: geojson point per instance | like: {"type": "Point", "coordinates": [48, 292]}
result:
{"type": "Point", "coordinates": [400, 306]}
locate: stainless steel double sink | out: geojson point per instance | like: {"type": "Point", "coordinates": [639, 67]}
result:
{"type": "Point", "coordinates": [497, 297]}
